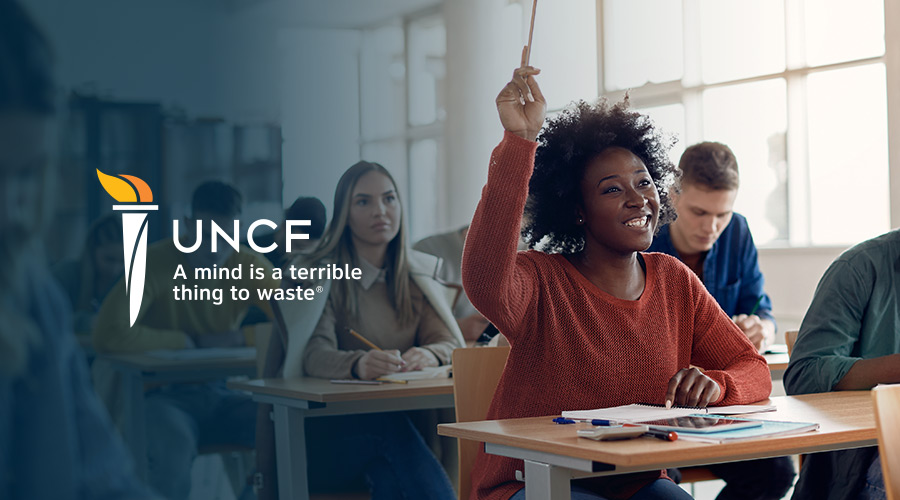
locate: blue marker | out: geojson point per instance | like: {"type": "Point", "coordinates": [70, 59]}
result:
{"type": "Point", "coordinates": [563, 420]}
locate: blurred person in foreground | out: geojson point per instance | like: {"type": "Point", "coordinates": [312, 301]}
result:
{"type": "Point", "coordinates": [56, 441]}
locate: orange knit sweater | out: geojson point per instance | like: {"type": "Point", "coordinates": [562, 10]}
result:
{"type": "Point", "coordinates": [575, 346]}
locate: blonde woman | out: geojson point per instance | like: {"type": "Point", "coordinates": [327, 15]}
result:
{"type": "Point", "coordinates": [397, 306]}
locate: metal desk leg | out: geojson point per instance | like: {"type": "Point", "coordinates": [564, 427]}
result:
{"type": "Point", "coordinates": [290, 451]}
{"type": "Point", "coordinates": [134, 421]}
{"type": "Point", "coordinates": [546, 482]}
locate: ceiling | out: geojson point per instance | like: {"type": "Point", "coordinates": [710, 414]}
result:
{"type": "Point", "coordinates": [346, 14]}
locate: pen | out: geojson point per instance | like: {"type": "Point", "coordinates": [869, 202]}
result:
{"type": "Point", "coordinates": [356, 381]}
{"type": "Point", "coordinates": [756, 306]}
{"type": "Point", "coordinates": [664, 435]}
{"type": "Point", "coordinates": [595, 421]}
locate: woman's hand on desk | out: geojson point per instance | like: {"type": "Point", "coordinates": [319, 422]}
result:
{"type": "Point", "coordinates": [690, 387]}
{"type": "Point", "coordinates": [417, 358]}
{"type": "Point", "coordinates": [376, 364]}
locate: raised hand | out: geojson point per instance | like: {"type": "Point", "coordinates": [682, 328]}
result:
{"type": "Point", "coordinates": [521, 104]}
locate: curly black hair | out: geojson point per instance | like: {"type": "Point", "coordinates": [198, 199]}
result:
{"type": "Point", "coordinates": [568, 142]}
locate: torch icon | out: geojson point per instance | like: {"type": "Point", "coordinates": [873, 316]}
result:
{"type": "Point", "coordinates": [135, 198]}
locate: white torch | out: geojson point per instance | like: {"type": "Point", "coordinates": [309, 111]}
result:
{"type": "Point", "coordinates": [135, 198]}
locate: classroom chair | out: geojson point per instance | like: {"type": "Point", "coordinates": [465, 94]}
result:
{"type": "Point", "coordinates": [886, 400]}
{"type": "Point", "coordinates": [790, 337]}
{"type": "Point", "coordinates": [476, 373]}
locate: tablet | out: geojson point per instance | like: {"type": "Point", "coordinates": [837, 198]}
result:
{"type": "Point", "coordinates": [701, 423]}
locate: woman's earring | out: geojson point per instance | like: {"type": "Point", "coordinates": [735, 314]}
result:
{"type": "Point", "coordinates": [579, 220]}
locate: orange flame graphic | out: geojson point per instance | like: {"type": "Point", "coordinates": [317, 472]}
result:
{"type": "Point", "coordinates": [124, 191]}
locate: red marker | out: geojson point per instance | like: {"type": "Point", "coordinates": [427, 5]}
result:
{"type": "Point", "coordinates": [664, 435]}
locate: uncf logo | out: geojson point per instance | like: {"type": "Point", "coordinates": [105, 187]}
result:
{"type": "Point", "coordinates": [135, 201]}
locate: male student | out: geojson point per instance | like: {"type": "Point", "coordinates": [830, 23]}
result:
{"type": "Point", "coordinates": [182, 417]}
{"type": "Point", "coordinates": [304, 208]}
{"type": "Point", "coordinates": [715, 242]}
{"type": "Point", "coordinates": [849, 341]}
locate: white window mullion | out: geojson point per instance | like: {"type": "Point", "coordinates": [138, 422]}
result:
{"type": "Point", "coordinates": [892, 65]}
{"type": "Point", "coordinates": [799, 207]}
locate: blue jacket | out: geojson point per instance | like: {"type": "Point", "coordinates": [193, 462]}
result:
{"type": "Point", "coordinates": [730, 270]}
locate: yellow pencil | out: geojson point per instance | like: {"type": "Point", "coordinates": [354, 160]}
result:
{"type": "Point", "coordinates": [364, 340]}
{"type": "Point", "coordinates": [391, 381]}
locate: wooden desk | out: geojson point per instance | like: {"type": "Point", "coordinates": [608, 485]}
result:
{"type": "Point", "coordinates": [294, 400]}
{"type": "Point", "coordinates": [139, 370]}
{"type": "Point", "coordinates": [553, 454]}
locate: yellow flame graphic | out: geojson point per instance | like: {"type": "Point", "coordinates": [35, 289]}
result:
{"type": "Point", "coordinates": [122, 191]}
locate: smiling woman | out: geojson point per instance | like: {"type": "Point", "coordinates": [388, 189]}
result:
{"type": "Point", "coordinates": [598, 322]}
{"type": "Point", "coordinates": [570, 145]}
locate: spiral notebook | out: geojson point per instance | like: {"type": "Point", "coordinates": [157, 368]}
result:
{"type": "Point", "coordinates": [641, 412]}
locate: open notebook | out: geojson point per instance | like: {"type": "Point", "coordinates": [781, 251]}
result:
{"type": "Point", "coordinates": [643, 412]}
{"type": "Point", "coordinates": [423, 374]}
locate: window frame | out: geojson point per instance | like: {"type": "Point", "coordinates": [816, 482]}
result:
{"type": "Point", "coordinates": [410, 133]}
{"type": "Point", "coordinates": [689, 89]}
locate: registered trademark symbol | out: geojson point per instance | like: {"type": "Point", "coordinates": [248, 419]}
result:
{"type": "Point", "coordinates": [319, 289]}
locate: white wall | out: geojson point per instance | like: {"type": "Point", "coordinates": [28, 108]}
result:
{"type": "Point", "coordinates": [484, 45]}
{"type": "Point", "coordinates": [791, 277]}
{"type": "Point", "coordinates": [321, 110]}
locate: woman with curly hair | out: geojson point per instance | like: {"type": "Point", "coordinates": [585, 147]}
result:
{"type": "Point", "coordinates": [592, 320]}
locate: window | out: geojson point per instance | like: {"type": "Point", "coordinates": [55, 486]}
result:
{"type": "Point", "coordinates": [797, 88]}
{"type": "Point", "coordinates": [402, 77]}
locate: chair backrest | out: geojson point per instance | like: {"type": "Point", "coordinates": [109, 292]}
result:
{"type": "Point", "coordinates": [886, 400]}
{"type": "Point", "coordinates": [790, 337]}
{"type": "Point", "coordinates": [476, 373]}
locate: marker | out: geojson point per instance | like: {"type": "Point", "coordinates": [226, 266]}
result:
{"type": "Point", "coordinates": [664, 435]}
{"type": "Point", "coordinates": [563, 420]}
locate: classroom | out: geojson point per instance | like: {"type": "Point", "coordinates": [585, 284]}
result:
{"type": "Point", "coordinates": [513, 249]}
